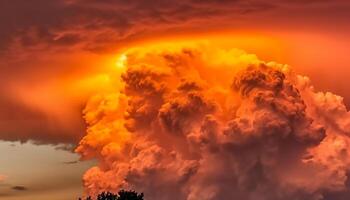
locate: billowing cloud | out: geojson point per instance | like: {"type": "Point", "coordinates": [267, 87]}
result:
{"type": "Point", "coordinates": [201, 122]}
{"type": "Point", "coordinates": [35, 35]}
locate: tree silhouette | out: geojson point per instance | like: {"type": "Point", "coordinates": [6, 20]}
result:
{"type": "Point", "coordinates": [129, 195]}
{"type": "Point", "coordinates": [107, 196]}
{"type": "Point", "coordinates": [122, 195]}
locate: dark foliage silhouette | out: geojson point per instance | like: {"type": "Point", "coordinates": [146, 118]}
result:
{"type": "Point", "coordinates": [122, 195]}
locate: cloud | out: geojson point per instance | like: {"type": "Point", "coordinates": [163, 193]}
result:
{"type": "Point", "coordinates": [3, 183]}
{"type": "Point", "coordinates": [93, 25]}
{"type": "Point", "coordinates": [54, 22]}
{"type": "Point", "coordinates": [200, 122]}
{"type": "Point", "coordinates": [19, 188]}
{"type": "Point", "coordinates": [71, 162]}
{"type": "Point", "coordinates": [33, 37]}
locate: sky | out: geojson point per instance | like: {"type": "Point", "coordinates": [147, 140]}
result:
{"type": "Point", "coordinates": [38, 172]}
{"type": "Point", "coordinates": [56, 54]}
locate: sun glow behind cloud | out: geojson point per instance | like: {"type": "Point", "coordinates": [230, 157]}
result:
{"type": "Point", "coordinates": [100, 74]}
{"type": "Point", "coordinates": [60, 90]}
{"type": "Point", "coordinates": [183, 112]}
{"type": "Point", "coordinates": [56, 55]}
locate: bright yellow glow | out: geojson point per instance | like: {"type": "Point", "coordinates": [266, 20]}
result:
{"type": "Point", "coordinates": [121, 61]}
{"type": "Point", "coordinates": [91, 73]}
{"type": "Point", "coordinates": [265, 45]}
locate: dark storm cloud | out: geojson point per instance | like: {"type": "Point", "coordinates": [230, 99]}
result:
{"type": "Point", "coordinates": [59, 22]}
{"type": "Point", "coordinates": [47, 21]}
{"type": "Point", "coordinates": [94, 24]}
{"type": "Point", "coordinates": [18, 17]}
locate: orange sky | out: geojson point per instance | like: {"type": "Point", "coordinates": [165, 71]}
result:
{"type": "Point", "coordinates": [55, 54]}
{"type": "Point", "coordinates": [54, 87]}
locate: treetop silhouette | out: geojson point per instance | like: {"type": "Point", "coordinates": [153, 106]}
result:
{"type": "Point", "coordinates": [122, 195]}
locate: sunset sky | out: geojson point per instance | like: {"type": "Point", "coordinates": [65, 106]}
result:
{"type": "Point", "coordinates": [55, 55]}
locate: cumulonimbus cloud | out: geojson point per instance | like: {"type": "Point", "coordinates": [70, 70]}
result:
{"type": "Point", "coordinates": [209, 123]}
{"type": "Point", "coordinates": [35, 31]}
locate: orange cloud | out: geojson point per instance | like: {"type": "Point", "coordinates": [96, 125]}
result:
{"type": "Point", "coordinates": [47, 94]}
{"type": "Point", "coordinates": [198, 121]}
{"type": "Point", "coordinates": [49, 65]}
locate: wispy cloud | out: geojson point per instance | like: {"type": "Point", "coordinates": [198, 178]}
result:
{"type": "Point", "coordinates": [19, 188]}
{"type": "Point", "coordinates": [71, 162]}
